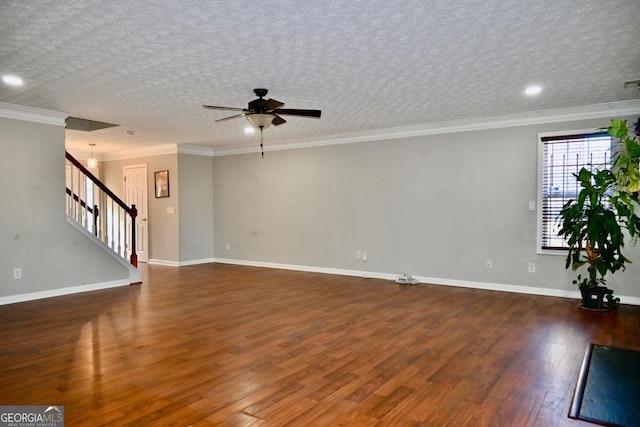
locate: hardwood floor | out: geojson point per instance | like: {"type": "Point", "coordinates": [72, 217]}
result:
{"type": "Point", "coordinates": [238, 346]}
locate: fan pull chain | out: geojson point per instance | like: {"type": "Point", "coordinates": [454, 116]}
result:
{"type": "Point", "coordinates": [261, 147]}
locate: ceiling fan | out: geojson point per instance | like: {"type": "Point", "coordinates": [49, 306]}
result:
{"type": "Point", "coordinates": [263, 113]}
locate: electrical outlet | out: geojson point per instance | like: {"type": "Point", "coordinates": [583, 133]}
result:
{"type": "Point", "coordinates": [532, 267]}
{"type": "Point", "coordinates": [17, 273]}
{"type": "Point", "coordinates": [228, 246]}
{"type": "Point", "coordinates": [358, 255]}
{"type": "Point", "coordinates": [489, 264]}
{"type": "Point", "coordinates": [365, 257]}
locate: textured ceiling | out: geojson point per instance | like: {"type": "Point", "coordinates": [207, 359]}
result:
{"type": "Point", "coordinates": [149, 66]}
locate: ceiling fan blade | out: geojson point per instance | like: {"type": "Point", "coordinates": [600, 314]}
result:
{"type": "Point", "coordinates": [231, 117]}
{"type": "Point", "coordinates": [297, 112]}
{"type": "Point", "coordinates": [277, 120]}
{"type": "Point", "coordinates": [272, 104]}
{"type": "Point", "coordinates": [215, 107]}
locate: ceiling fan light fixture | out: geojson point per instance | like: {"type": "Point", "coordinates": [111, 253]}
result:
{"type": "Point", "coordinates": [260, 120]}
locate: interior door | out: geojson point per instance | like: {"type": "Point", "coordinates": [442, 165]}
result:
{"type": "Point", "coordinates": [135, 190]}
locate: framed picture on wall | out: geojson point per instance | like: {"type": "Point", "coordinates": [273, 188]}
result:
{"type": "Point", "coordinates": [161, 179]}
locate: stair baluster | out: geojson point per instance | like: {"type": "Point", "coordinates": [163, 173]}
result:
{"type": "Point", "coordinates": [110, 219]}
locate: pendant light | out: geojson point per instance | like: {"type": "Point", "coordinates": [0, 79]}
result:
{"type": "Point", "coordinates": [92, 162]}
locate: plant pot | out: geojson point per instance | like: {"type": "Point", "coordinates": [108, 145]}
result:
{"type": "Point", "coordinates": [594, 297]}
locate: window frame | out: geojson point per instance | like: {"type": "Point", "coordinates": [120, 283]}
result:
{"type": "Point", "coordinates": [541, 143]}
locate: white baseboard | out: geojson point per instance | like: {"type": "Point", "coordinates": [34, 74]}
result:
{"type": "Point", "coordinates": [163, 262]}
{"type": "Point", "coordinates": [530, 290]}
{"type": "Point", "coordinates": [168, 263]}
{"type": "Point", "coordinates": [196, 262]}
{"type": "Point", "coordinates": [306, 268]}
{"type": "Point", "coordinates": [62, 291]}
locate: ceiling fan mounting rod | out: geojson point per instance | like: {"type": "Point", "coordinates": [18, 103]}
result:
{"type": "Point", "coordinates": [260, 92]}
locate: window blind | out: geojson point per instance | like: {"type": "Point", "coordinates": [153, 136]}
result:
{"type": "Point", "coordinates": [562, 157]}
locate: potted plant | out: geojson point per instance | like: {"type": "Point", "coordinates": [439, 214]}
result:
{"type": "Point", "coordinates": [597, 224]}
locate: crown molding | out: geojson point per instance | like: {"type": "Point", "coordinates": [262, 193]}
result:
{"type": "Point", "coordinates": [586, 112]}
{"type": "Point", "coordinates": [153, 150]}
{"type": "Point", "coordinates": [31, 114]}
{"type": "Point", "coordinates": [196, 150]}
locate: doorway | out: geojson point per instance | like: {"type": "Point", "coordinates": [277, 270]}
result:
{"type": "Point", "coordinates": [135, 190]}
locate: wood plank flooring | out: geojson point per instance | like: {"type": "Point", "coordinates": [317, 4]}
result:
{"type": "Point", "coordinates": [239, 346]}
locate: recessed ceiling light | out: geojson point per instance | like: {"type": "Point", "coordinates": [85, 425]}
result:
{"type": "Point", "coordinates": [249, 130]}
{"type": "Point", "coordinates": [12, 80]}
{"type": "Point", "coordinates": [533, 90]}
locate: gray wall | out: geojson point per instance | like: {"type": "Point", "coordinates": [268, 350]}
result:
{"type": "Point", "coordinates": [434, 206]}
{"type": "Point", "coordinates": [34, 233]}
{"type": "Point", "coordinates": [163, 227]}
{"type": "Point", "coordinates": [196, 208]}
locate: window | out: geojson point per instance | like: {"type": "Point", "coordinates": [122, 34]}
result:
{"type": "Point", "coordinates": [561, 157]}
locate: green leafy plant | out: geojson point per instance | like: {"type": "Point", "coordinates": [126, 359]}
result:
{"type": "Point", "coordinates": [597, 224]}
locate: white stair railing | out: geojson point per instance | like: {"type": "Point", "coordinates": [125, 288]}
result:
{"type": "Point", "coordinates": [98, 210]}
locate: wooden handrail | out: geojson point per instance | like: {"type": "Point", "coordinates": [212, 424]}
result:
{"type": "Point", "coordinates": [132, 211]}
{"type": "Point", "coordinates": [96, 181]}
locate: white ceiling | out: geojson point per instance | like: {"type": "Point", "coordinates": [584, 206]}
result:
{"type": "Point", "coordinates": [368, 65]}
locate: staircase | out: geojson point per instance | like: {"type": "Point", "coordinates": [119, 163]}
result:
{"type": "Point", "coordinates": [98, 212]}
